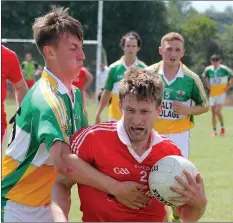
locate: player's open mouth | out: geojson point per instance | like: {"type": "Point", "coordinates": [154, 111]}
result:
{"type": "Point", "coordinates": [137, 129]}
{"type": "Point", "coordinates": [172, 60]}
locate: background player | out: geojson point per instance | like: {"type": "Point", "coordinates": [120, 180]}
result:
{"type": "Point", "coordinates": [130, 44]}
{"type": "Point", "coordinates": [29, 68]}
{"type": "Point", "coordinates": [126, 150]}
{"type": "Point", "coordinates": [182, 88]}
{"type": "Point", "coordinates": [10, 71]}
{"type": "Point", "coordinates": [218, 79]}
{"type": "Point", "coordinates": [83, 82]}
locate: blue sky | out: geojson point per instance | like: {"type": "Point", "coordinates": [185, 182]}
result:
{"type": "Point", "coordinates": [201, 6]}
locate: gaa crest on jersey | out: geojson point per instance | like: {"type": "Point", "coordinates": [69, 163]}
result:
{"type": "Point", "coordinates": [180, 95]}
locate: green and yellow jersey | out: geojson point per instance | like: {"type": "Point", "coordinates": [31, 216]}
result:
{"type": "Point", "coordinates": [218, 79]}
{"type": "Point", "coordinates": [185, 88]}
{"type": "Point", "coordinates": [47, 114]}
{"type": "Point", "coordinates": [115, 74]}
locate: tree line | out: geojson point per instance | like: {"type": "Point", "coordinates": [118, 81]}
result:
{"type": "Point", "coordinates": [205, 33]}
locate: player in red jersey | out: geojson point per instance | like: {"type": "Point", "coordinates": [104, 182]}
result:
{"type": "Point", "coordinates": [10, 71]}
{"type": "Point", "coordinates": [126, 151]}
{"type": "Point", "coordinates": [83, 82]}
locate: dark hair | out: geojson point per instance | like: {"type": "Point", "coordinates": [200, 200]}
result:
{"type": "Point", "coordinates": [49, 28]}
{"type": "Point", "coordinates": [215, 57]}
{"type": "Point", "coordinates": [142, 84]}
{"type": "Point", "coordinates": [131, 35]}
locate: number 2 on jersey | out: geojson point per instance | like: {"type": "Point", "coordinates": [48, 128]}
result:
{"type": "Point", "coordinates": [143, 176]}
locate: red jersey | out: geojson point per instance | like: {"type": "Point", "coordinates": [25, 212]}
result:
{"type": "Point", "coordinates": [10, 71]}
{"type": "Point", "coordinates": [107, 147]}
{"type": "Point", "coordinates": [79, 82]}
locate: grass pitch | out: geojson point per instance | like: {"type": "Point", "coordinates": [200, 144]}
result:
{"type": "Point", "coordinates": [213, 156]}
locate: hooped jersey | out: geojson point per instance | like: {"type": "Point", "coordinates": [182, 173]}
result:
{"type": "Point", "coordinates": [47, 114]}
{"type": "Point", "coordinates": [185, 88]}
{"type": "Point", "coordinates": [106, 146]}
{"type": "Point", "coordinates": [218, 78]}
{"type": "Point", "coordinates": [115, 74]}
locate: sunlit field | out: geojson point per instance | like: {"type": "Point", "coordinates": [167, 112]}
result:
{"type": "Point", "coordinates": [213, 156]}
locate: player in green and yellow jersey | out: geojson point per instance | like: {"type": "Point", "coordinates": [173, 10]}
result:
{"type": "Point", "coordinates": [218, 79]}
{"type": "Point", "coordinates": [182, 89]}
{"type": "Point", "coordinates": [49, 114]}
{"type": "Point", "coordinates": [130, 44]}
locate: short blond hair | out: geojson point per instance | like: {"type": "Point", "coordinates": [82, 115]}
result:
{"type": "Point", "coordinates": [142, 84]}
{"type": "Point", "coordinates": [172, 36]}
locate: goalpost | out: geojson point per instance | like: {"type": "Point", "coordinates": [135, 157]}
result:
{"type": "Point", "coordinates": [95, 53]}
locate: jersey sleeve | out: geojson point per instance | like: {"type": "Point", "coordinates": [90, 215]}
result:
{"type": "Point", "coordinates": [15, 74]}
{"type": "Point", "coordinates": [198, 92]}
{"type": "Point", "coordinates": [110, 80]}
{"type": "Point", "coordinates": [52, 127]}
{"type": "Point", "coordinates": [229, 72]}
{"type": "Point", "coordinates": [171, 147]}
{"type": "Point", "coordinates": [81, 144]}
{"type": "Point", "coordinates": [205, 73]}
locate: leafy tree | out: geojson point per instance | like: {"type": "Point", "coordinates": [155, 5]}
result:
{"type": "Point", "coordinates": [200, 33]}
{"type": "Point", "coordinates": [226, 44]}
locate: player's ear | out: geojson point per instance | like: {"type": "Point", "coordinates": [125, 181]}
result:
{"type": "Point", "coordinates": [160, 51]}
{"type": "Point", "coordinates": [49, 52]}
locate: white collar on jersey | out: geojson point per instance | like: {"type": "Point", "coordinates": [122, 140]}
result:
{"type": "Point", "coordinates": [60, 86]}
{"type": "Point", "coordinates": [179, 73]}
{"type": "Point", "coordinates": [155, 137]}
{"type": "Point", "coordinates": [135, 63]}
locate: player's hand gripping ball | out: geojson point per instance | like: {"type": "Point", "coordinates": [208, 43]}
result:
{"type": "Point", "coordinates": [162, 177]}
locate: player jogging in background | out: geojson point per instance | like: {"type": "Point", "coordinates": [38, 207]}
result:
{"type": "Point", "coordinates": [83, 82]}
{"type": "Point", "coordinates": [29, 68]}
{"type": "Point", "coordinates": [10, 71]}
{"type": "Point", "coordinates": [182, 88]}
{"type": "Point", "coordinates": [127, 150]}
{"type": "Point", "coordinates": [130, 44]}
{"type": "Point", "coordinates": [218, 79]}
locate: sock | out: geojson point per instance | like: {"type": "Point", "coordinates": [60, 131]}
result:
{"type": "Point", "coordinates": [214, 129]}
{"type": "Point", "coordinates": [222, 125]}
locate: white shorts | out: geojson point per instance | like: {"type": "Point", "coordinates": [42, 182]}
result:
{"type": "Point", "coordinates": [181, 140]}
{"type": "Point", "coordinates": [217, 100]}
{"type": "Point", "coordinates": [15, 212]}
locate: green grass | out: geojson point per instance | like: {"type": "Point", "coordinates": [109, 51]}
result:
{"type": "Point", "coordinates": [213, 156]}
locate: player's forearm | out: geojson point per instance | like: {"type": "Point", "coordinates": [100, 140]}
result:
{"type": "Point", "coordinates": [229, 85]}
{"type": "Point", "coordinates": [60, 205]}
{"type": "Point", "coordinates": [207, 82]}
{"type": "Point", "coordinates": [83, 173]}
{"type": "Point", "coordinates": [88, 82]}
{"type": "Point", "coordinates": [197, 110]}
{"type": "Point", "coordinates": [20, 93]}
{"type": "Point", "coordinates": [195, 216]}
{"type": "Point", "coordinates": [103, 102]}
